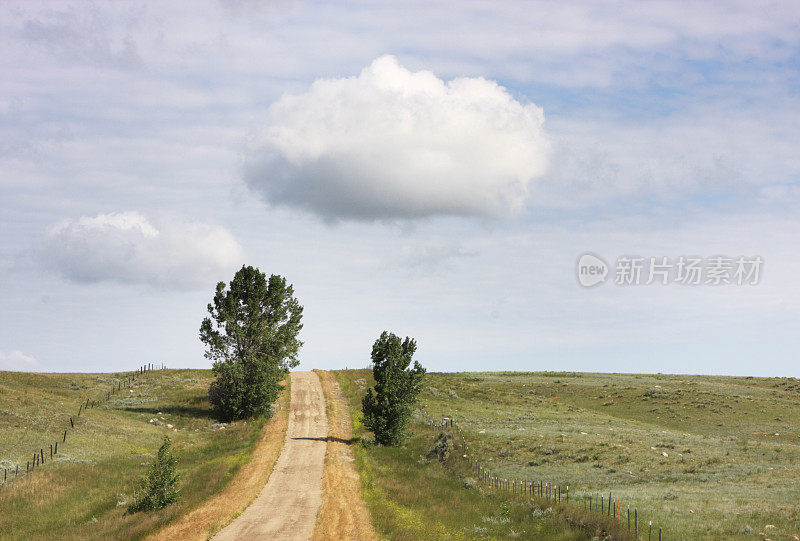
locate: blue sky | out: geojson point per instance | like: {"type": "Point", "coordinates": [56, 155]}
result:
{"type": "Point", "coordinates": [430, 168]}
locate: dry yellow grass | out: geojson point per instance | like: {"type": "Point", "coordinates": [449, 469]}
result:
{"type": "Point", "coordinates": [343, 514]}
{"type": "Point", "coordinates": [213, 514]}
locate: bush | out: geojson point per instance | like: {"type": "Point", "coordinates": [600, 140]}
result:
{"type": "Point", "coordinates": [160, 485]}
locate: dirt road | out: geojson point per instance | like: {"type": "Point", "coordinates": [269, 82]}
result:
{"type": "Point", "coordinates": [287, 507]}
{"type": "Point", "coordinates": [205, 519]}
{"type": "Point", "coordinates": [344, 513]}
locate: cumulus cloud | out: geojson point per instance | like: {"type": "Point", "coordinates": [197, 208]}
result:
{"type": "Point", "coordinates": [126, 247]}
{"type": "Point", "coordinates": [391, 143]}
{"type": "Point", "coordinates": [17, 361]}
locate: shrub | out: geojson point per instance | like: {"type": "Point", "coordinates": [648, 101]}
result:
{"type": "Point", "coordinates": [160, 485]}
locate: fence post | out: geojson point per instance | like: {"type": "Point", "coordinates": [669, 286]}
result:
{"type": "Point", "coordinates": [56, 450]}
{"type": "Point", "coordinates": [51, 451]}
{"type": "Point", "coordinates": [650, 531]}
{"type": "Point", "coordinates": [636, 521]}
{"type": "Point", "coordinates": [659, 534]}
{"type": "Point", "coordinates": [42, 451]}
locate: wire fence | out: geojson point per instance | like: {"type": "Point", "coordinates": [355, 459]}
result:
{"type": "Point", "coordinates": [46, 453]}
{"type": "Point", "coordinates": [607, 505]}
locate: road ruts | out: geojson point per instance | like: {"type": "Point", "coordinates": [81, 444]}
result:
{"type": "Point", "coordinates": [287, 506]}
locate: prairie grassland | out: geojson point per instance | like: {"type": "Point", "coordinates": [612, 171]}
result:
{"type": "Point", "coordinates": [704, 457]}
{"type": "Point", "coordinates": [83, 492]}
{"type": "Point", "coordinates": [412, 496]}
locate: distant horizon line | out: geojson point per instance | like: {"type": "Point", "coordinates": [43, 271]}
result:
{"type": "Point", "coordinates": [554, 373]}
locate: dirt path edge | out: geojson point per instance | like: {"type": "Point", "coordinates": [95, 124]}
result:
{"type": "Point", "coordinates": [203, 521]}
{"type": "Point", "coordinates": [344, 513]}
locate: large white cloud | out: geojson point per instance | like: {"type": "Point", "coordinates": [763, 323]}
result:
{"type": "Point", "coordinates": [126, 247]}
{"type": "Point", "coordinates": [17, 361]}
{"type": "Point", "coordinates": [391, 143]}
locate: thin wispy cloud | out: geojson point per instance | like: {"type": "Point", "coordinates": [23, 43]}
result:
{"type": "Point", "coordinates": [17, 361]}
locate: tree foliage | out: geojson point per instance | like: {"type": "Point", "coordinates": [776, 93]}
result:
{"type": "Point", "coordinates": [251, 336]}
{"type": "Point", "coordinates": [387, 410]}
{"type": "Point", "coordinates": [160, 485]}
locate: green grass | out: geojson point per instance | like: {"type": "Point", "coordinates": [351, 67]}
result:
{"type": "Point", "coordinates": [83, 492]}
{"type": "Point", "coordinates": [703, 457]}
{"type": "Point", "coordinates": [413, 497]}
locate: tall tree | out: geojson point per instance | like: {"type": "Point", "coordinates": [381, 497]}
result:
{"type": "Point", "coordinates": [251, 335]}
{"type": "Point", "coordinates": [387, 410]}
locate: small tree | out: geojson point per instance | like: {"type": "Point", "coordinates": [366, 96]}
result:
{"type": "Point", "coordinates": [160, 485]}
{"type": "Point", "coordinates": [252, 338]}
{"type": "Point", "coordinates": [387, 410]}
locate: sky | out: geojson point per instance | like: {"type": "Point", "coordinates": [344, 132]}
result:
{"type": "Point", "coordinates": [435, 169]}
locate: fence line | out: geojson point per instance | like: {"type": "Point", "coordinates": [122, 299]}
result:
{"type": "Point", "coordinates": [554, 493]}
{"type": "Point", "coordinates": [38, 459]}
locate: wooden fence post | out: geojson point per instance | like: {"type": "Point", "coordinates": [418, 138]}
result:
{"type": "Point", "coordinates": [636, 521]}
{"type": "Point", "coordinates": [56, 449]}
{"type": "Point", "coordinates": [51, 451]}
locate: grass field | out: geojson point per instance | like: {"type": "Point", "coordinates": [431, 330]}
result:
{"type": "Point", "coordinates": [83, 493]}
{"type": "Point", "coordinates": [413, 496]}
{"type": "Point", "coordinates": [704, 457]}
